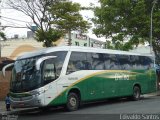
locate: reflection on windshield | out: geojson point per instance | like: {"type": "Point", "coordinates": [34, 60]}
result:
{"type": "Point", "coordinates": [25, 77]}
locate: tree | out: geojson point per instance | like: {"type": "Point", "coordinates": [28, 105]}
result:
{"type": "Point", "coordinates": [127, 22]}
{"type": "Point", "coordinates": [47, 36]}
{"type": "Point", "coordinates": [2, 36]}
{"type": "Point", "coordinates": [67, 18]}
{"type": "Point", "coordinates": [37, 10]}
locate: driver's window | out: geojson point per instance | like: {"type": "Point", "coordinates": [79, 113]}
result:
{"type": "Point", "coordinates": [49, 71]}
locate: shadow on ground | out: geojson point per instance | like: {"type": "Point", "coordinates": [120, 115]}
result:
{"type": "Point", "coordinates": [37, 112]}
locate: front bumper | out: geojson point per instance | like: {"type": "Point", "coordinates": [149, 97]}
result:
{"type": "Point", "coordinates": [26, 102]}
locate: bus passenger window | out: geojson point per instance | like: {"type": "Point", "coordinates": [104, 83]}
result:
{"type": "Point", "coordinates": [88, 62]}
{"type": "Point", "coordinates": [111, 62]}
{"type": "Point", "coordinates": [124, 61]}
{"type": "Point", "coordinates": [98, 65]}
{"type": "Point", "coordinates": [98, 61]}
{"type": "Point", "coordinates": [80, 65]}
{"type": "Point", "coordinates": [76, 62]}
{"type": "Point", "coordinates": [145, 62]}
{"type": "Point", "coordinates": [88, 65]}
{"type": "Point", "coordinates": [71, 68]}
{"type": "Point", "coordinates": [59, 60]}
{"type": "Point", "coordinates": [107, 64]}
{"type": "Point", "coordinates": [134, 61]}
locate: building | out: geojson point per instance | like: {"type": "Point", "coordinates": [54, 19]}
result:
{"type": "Point", "coordinates": [30, 34]}
{"type": "Point", "coordinates": [84, 40]}
{"type": "Point", "coordinates": [12, 48]}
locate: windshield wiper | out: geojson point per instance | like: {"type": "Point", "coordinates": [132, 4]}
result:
{"type": "Point", "coordinates": [31, 68]}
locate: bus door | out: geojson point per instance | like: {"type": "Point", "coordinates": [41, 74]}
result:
{"type": "Point", "coordinates": [48, 77]}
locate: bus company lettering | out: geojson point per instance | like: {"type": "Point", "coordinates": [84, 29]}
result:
{"type": "Point", "coordinates": [121, 76]}
{"type": "Point", "coordinates": [73, 78]}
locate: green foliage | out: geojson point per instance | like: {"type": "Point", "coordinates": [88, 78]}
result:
{"type": "Point", "coordinates": [3, 36]}
{"type": "Point", "coordinates": [127, 22]}
{"type": "Point", "coordinates": [48, 37]}
{"type": "Point", "coordinates": [52, 18]}
{"type": "Point", "coordinates": [66, 17]}
{"type": "Point", "coordinates": [38, 11]}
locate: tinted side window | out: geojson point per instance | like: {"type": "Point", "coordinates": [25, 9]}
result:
{"type": "Point", "coordinates": [145, 62]}
{"type": "Point", "coordinates": [134, 61]}
{"type": "Point", "coordinates": [61, 55]}
{"type": "Point", "coordinates": [77, 62]}
{"type": "Point", "coordinates": [89, 61]}
{"type": "Point", "coordinates": [98, 61]}
{"type": "Point", "coordinates": [110, 61]}
{"type": "Point", "coordinates": [151, 61]}
{"type": "Point", "coordinates": [124, 62]}
{"type": "Point", "coordinates": [140, 62]}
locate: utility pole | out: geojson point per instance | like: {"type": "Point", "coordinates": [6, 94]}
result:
{"type": "Point", "coordinates": [151, 25]}
{"type": "Point", "coordinates": [0, 29]}
{"type": "Point", "coordinates": [69, 38]}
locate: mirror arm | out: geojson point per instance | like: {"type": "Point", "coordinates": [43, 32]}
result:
{"type": "Point", "coordinates": [5, 67]}
{"type": "Point", "coordinates": [39, 61]}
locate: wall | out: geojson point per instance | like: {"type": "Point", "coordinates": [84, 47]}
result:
{"type": "Point", "coordinates": [14, 47]}
{"type": "Point", "coordinates": [4, 85]}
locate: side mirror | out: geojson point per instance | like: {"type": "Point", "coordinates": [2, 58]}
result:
{"type": "Point", "coordinates": [39, 61]}
{"type": "Point", "coordinates": [5, 67]}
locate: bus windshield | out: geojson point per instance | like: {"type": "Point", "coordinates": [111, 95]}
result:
{"type": "Point", "coordinates": [26, 77]}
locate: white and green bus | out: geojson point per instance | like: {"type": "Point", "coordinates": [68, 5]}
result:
{"type": "Point", "coordinates": [71, 75]}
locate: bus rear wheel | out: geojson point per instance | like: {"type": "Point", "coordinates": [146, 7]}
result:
{"type": "Point", "coordinates": [73, 102]}
{"type": "Point", "coordinates": [136, 93]}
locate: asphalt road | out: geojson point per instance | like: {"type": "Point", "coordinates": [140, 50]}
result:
{"type": "Point", "coordinates": [115, 109]}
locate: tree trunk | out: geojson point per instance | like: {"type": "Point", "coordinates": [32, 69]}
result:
{"type": "Point", "coordinates": [69, 38]}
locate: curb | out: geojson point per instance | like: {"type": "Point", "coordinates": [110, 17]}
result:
{"type": "Point", "coordinates": [17, 111]}
{"type": "Point", "coordinates": [152, 94]}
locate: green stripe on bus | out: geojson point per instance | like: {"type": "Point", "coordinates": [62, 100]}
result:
{"type": "Point", "coordinates": [107, 75]}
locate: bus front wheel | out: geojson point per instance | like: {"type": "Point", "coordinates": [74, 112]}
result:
{"type": "Point", "coordinates": [136, 93]}
{"type": "Point", "coordinates": [72, 102]}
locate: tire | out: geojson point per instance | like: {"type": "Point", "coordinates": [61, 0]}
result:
{"type": "Point", "coordinates": [136, 93]}
{"type": "Point", "coordinates": [73, 102]}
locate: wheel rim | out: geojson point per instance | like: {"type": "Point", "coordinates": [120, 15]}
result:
{"type": "Point", "coordinates": [136, 93]}
{"type": "Point", "coordinates": [73, 101]}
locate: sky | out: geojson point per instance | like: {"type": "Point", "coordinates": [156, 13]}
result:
{"type": "Point", "coordinates": [8, 16]}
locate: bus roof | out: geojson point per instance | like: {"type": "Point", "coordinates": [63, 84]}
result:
{"type": "Point", "coordinates": [75, 48]}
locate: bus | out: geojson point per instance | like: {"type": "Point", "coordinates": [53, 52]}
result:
{"type": "Point", "coordinates": [72, 75]}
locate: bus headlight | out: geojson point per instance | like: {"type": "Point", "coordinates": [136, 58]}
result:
{"type": "Point", "coordinates": [35, 93]}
